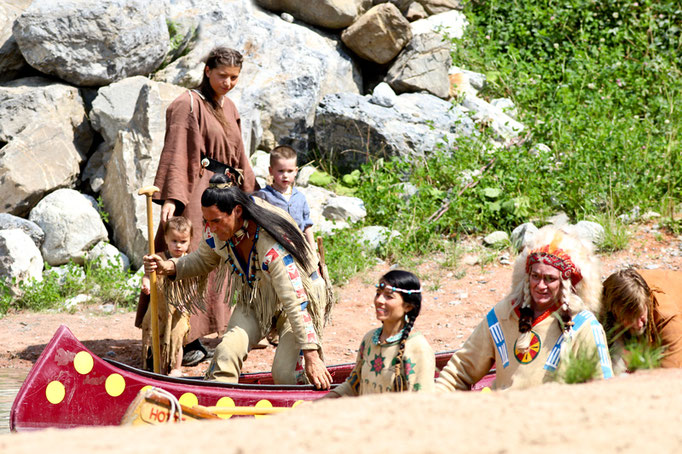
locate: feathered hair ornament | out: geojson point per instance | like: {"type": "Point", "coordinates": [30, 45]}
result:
{"type": "Point", "coordinates": [581, 286]}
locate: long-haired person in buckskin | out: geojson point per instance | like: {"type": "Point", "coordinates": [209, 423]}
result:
{"type": "Point", "coordinates": [393, 357]}
{"type": "Point", "coordinates": [203, 137]}
{"type": "Point", "coordinates": [647, 305]}
{"type": "Point", "coordinates": [276, 279]}
{"type": "Point", "coordinates": [547, 315]}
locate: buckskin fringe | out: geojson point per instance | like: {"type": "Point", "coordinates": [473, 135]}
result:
{"type": "Point", "coordinates": [185, 294]}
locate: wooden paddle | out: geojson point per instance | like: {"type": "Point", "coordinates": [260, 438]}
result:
{"type": "Point", "coordinates": [149, 191]}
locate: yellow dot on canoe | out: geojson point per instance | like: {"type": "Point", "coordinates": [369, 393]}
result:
{"type": "Point", "coordinates": [263, 404]}
{"type": "Point", "coordinates": [115, 385]}
{"type": "Point", "coordinates": [297, 403]}
{"type": "Point", "coordinates": [188, 400]}
{"type": "Point", "coordinates": [146, 388]}
{"type": "Point", "coordinates": [55, 392]}
{"type": "Point", "coordinates": [83, 362]}
{"type": "Point", "coordinates": [486, 390]}
{"type": "Point", "coordinates": [226, 402]}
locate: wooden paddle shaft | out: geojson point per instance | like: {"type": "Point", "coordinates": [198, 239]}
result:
{"type": "Point", "coordinates": [248, 411]}
{"type": "Point", "coordinates": [149, 191]}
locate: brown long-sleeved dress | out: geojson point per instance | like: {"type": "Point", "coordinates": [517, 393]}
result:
{"type": "Point", "coordinates": [192, 129]}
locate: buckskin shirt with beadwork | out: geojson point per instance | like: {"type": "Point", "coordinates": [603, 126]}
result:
{"type": "Point", "coordinates": [374, 369]}
{"type": "Point", "coordinates": [275, 283]}
{"type": "Point", "coordinates": [493, 342]}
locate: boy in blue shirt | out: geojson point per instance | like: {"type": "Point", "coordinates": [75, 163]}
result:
{"type": "Point", "coordinates": [282, 193]}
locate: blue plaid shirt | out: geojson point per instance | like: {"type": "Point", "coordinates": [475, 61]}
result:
{"type": "Point", "coordinates": [296, 206]}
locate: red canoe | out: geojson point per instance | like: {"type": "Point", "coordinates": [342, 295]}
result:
{"type": "Point", "coordinates": [70, 387]}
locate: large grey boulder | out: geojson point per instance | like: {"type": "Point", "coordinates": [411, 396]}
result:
{"type": "Point", "coordinates": [287, 70]}
{"type": "Point", "coordinates": [334, 14]}
{"type": "Point", "coordinates": [114, 106]}
{"type": "Point", "coordinates": [523, 235]}
{"type": "Point", "coordinates": [112, 111]}
{"type": "Point", "coordinates": [379, 34]}
{"type": "Point", "coordinates": [317, 198]}
{"type": "Point", "coordinates": [415, 11]}
{"type": "Point", "coordinates": [344, 208]}
{"type": "Point", "coordinates": [71, 223]}
{"type": "Point", "coordinates": [104, 255]}
{"type": "Point", "coordinates": [350, 129]}
{"type": "Point", "coordinates": [8, 221]}
{"type": "Point", "coordinates": [440, 6]}
{"type": "Point", "coordinates": [132, 165]}
{"type": "Point", "coordinates": [374, 236]}
{"type": "Point", "coordinates": [93, 43]}
{"type": "Point", "coordinates": [422, 66]}
{"type": "Point", "coordinates": [47, 136]}
{"type": "Point", "coordinates": [20, 259]}
{"type": "Point", "coordinates": [11, 61]}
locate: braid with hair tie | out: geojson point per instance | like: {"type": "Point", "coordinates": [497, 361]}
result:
{"type": "Point", "coordinates": [564, 311]}
{"type": "Point", "coordinates": [525, 319]}
{"type": "Point", "coordinates": [400, 380]}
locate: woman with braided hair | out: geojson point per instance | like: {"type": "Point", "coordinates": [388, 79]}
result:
{"type": "Point", "coordinates": [392, 358]}
{"type": "Point", "coordinates": [276, 284]}
{"type": "Point", "coordinates": [546, 316]}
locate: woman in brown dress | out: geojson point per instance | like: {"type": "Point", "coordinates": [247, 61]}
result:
{"type": "Point", "coordinates": [203, 136]}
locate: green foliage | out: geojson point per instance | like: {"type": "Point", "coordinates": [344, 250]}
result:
{"type": "Point", "coordinates": [176, 37]}
{"type": "Point", "coordinates": [105, 284]}
{"type": "Point", "coordinates": [345, 255]}
{"type": "Point", "coordinates": [5, 299]}
{"type": "Point", "coordinates": [110, 285]}
{"type": "Point", "coordinates": [579, 366]}
{"type": "Point", "coordinates": [597, 81]}
{"type": "Point", "coordinates": [616, 234]}
{"type": "Point", "coordinates": [102, 212]}
{"type": "Point", "coordinates": [640, 354]}
{"type": "Point", "coordinates": [322, 179]}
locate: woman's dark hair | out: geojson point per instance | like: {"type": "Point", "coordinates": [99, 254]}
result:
{"type": "Point", "coordinates": [220, 56]}
{"type": "Point", "coordinates": [282, 230]}
{"type": "Point", "coordinates": [404, 280]}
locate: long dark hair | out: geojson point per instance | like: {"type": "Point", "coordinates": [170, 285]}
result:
{"type": "Point", "coordinates": [404, 280]}
{"type": "Point", "coordinates": [282, 230]}
{"type": "Point", "coordinates": [219, 56]}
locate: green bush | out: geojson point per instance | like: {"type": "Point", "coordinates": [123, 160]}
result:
{"type": "Point", "coordinates": [579, 367]}
{"type": "Point", "coordinates": [104, 284]}
{"type": "Point", "coordinates": [640, 354]}
{"type": "Point", "coordinates": [597, 81]}
{"type": "Point", "coordinates": [345, 256]}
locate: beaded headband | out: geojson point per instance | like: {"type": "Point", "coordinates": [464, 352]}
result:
{"type": "Point", "coordinates": [383, 285]}
{"type": "Point", "coordinates": [551, 255]}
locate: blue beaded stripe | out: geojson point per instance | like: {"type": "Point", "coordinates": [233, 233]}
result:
{"type": "Point", "coordinates": [599, 339]}
{"type": "Point", "coordinates": [498, 337]}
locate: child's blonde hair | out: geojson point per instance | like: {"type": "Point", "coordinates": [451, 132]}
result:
{"type": "Point", "coordinates": [282, 152]}
{"type": "Point", "coordinates": [179, 224]}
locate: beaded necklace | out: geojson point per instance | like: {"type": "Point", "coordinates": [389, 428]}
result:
{"type": "Point", "coordinates": [389, 340]}
{"type": "Point", "coordinates": [251, 278]}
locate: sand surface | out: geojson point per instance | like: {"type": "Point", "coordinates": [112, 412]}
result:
{"type": "Point", "coordinates": [638, 413]}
